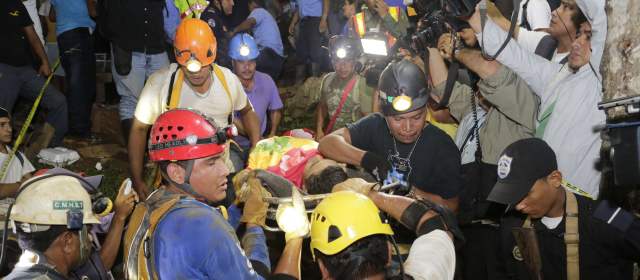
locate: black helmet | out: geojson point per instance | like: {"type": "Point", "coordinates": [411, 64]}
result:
{"type": "Point", "coordinates": [343, 47]}
{"type": "Point", "coordinates": [403, 88]}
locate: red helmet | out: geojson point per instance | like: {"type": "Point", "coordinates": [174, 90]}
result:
{"type": "Point", "coordinates": [184, 134]}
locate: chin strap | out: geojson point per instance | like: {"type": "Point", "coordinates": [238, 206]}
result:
{"type": "Point", "coordinates": [186, 186]}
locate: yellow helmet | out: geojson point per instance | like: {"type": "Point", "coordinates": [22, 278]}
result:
{"type": "Point", "coordinates": [343, 218]}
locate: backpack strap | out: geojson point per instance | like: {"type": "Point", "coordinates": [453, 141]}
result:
{"type": "Point", "coordinates": [174, 90]}
{"type": "Point", "coordinates": [18, 155]}
{"type": "Point", "coordinates": [223, 80]}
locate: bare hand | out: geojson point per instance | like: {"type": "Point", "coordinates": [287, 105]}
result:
{"type": "Point", "coordinates": [474, 20]}
{"type": "Point", "coordinates": [142, 190]}
{"type": "Point", "coordinates": [292, 28]}
{"type": "Point", "coordinates": [323, 26]}
{"type": "Point", "coordinates": [124, 204]}
{"type": "Point", "coordinates": [45, 69]}
{"type": "Point", "coordinates": [381, 8]}
{"type": "Point", "coordinates": [445, 46]}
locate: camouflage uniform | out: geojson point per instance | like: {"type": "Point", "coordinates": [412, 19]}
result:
{"type": "Point", "coordinates": [358, 103]}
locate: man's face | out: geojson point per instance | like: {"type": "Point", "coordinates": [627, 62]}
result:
{"type": "Point", "coordinates": [5, 131]}
{"type": "Point", "coordinates": [581, 48]}
{"type": "Point", "coordinates": [407, 127]}
{"type": "Point", "coordinates": [227, 6]}
{"type": "Point", "coordinates": [344, 67]}
{"type": "Point", "coordinates": [244, 69]}
{"type": "Point", "coordinates": [199, 78]}
{"type": "Point", "coordinates": [371, 4]}
{"type": "Point", "coordinates": [209, 178]}
{"type": "Point", "coordinates": [539, 200]}
{"type": "Point", "coordinates": [348, 10]}
{"type": "Point", "coordinates": [468, 37]}
{"type": "Point", "coordinates": [561, 23]}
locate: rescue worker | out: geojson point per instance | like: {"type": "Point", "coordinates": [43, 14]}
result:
{"type": "Point", "coordinates": [359, 245]}
{"type": "Point", "coordinates": [345, 96]}
{"type": "Point", "coordinates": [195, 82]}
{"type": "Point", "coordinates": [398, 145]}
{"type": "Point", "coordinates": [52, 214]}
{"type": "Point", "coordinates": [175, 234]}
{"type": "Point", "coordinates": [552, 218]}
{"type": "Point", "coordinates": [377, 17]}
{"type": "Point", "coordinates": [261, 91]}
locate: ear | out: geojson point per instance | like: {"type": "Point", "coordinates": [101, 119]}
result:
{"type": "Point", "coordinates": [175, 172]}
{"type": "Point", "coordinates": [323, 270]}
{"type": "Point", "coordinates": [555, 179]}
{"type": "Point", "coordinates": [66, 240]}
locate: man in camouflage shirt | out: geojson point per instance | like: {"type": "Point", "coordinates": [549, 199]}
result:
{"type": "Point", "coordinates": [343, 83]}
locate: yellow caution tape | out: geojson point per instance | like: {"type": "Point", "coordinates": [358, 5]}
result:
{"type": "Point", "coordinates": [27, 122]}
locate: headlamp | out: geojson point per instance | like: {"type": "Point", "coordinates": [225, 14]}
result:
{"type": "Point", "coordinates": [399, 103]}
{"type": "Point", "coordinates": [193, 65]}
{"type": "Point", "coordinates": [244, 50]}
{"type": "Point", "coordinates": [374, 44]}
{"type": "Point", "coordinates": [341, 53]}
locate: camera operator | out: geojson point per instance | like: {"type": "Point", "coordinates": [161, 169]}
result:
{"type": "Point", "coordinates": [502, 111]}
{"type": "Point", "coordinates": [569, 92]}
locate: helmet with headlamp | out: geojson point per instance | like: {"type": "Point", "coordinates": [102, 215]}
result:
{"type": "Point", "coordinates": [243, 47]}
{"type": "Point", "coordinates": [194, 45]}
{"type": "Point", "coordinates": [402, 88]}
{"type": "Point", "coordinates": [343, 47]}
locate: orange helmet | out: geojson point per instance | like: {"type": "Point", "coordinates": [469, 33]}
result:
{"type": "Point", "coordinates": [195, 45]}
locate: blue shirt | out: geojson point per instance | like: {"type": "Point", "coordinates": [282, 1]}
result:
{"type": "Point", "coordinates": [266, 31]}
{"type": "Point", "coordinates": [171, 20]}
{"type": "Point", "coordinates": [194, 241]}
{"type": "Point", "coordinates": [264, 97]}
{"type": "Point", "coordinates": [71, 14]}
{"type": "Point", "coordinates": [309, 8]}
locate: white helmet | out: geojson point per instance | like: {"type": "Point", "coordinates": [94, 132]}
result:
{"type": "Point", "coordinates": [47, 199]}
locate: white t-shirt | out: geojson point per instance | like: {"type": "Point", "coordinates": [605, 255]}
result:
{"type": "Point", "coordinates": [16, 169]}
{"type": "Point", "coordinates": [215, 103]}
{"type": "Point", "coordinates": [538, 13]}
{"type": "Point", "coordinates": [432, 256]}
{"type": "Point", "coordinates": [551, 223]}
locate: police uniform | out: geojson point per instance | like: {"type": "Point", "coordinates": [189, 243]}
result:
{"type": "Point", "coordinates": [358, 103]}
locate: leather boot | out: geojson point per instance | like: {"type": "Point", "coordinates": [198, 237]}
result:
{"type": "Point", "coordinates": [41, 141]}
{"type": "Point", "coordinates": [125, 125]}
{"type": "Point", "coordinates": [301, 73]}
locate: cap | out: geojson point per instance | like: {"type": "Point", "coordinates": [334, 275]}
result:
{"type": "Point", "coordinates": [4, 113]}
{"type": "Point", "coordinates": [520, 165]}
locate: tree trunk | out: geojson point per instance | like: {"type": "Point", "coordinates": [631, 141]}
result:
{"type": "Point", "coordinates": [621, 60]}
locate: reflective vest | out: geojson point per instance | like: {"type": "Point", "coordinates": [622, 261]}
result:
{"type": "Point", "coordinates": [361, 28]}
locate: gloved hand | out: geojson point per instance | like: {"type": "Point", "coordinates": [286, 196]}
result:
{"type": "Point", "coordinates": [292, 217]}
{"type": "Point", "coordinates": [240, 185]}
{"type": "Point", "coordinates": [376, 165]}
{"type": "Point", "coordinates": [355, 184]}
{"type": "Point", "coordinates": [255, 209]}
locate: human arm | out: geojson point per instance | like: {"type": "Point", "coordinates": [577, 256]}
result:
{"type": "Point", "coordinates": [321, 112]}
{"type": "Point", "coordinates": [251, 124]}
{"type": "Point", "coordinates": [289, 263]}
{"type": "Point", "coordinates": [535, 70]}
{"type": "Point", "coordinates": [52, 14]}
{"type": "Point", "coordinates": [294, 21]}
{"type": "Point", "coordinates": [275, 116]}
{"type": "Point", "coordinates": [337, 146]}
{"type": "Point", "coordinates": [323, 19]}
{"type": "Point", "coordinates": [459, 101]}
{"type": "Point", "coordinates": [244, 26]}
{"type": "Point", "coordinates": [91, 8]}
{"type": "Point", "coordinates": [171, 19]}
{"type": "Point", "coordinates": [38, 49]}
{"type": "Point", "coordinates": [595, 12]}
{"type": "Point", "coordinates": [136, 148]}
{"type": "Point", "coordinates": [123, 205]}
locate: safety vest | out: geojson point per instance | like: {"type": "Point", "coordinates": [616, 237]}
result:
{"type": "Point", "coordinates": [138, 239]}
{"type": "Point", "coordinates": [361, 28]}
{"type": "Point", "coordinates": [190, 9]}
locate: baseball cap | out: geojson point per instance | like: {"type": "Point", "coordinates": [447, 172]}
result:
{"type": "Point", "coordinates": [519, 166]}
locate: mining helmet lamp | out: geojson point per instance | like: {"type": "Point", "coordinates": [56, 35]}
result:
{"type": "Point", "coordinates": [341, 53]}
{"type": "Point", "coordinates": [193, 65]}
{"type": "Point", "coordinates": [244, 50]}
{"type": "Point", "coordinates": [399, 103]}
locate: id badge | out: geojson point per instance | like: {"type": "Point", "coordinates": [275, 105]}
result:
{"type": "Point", "coordinates": [402, 165]}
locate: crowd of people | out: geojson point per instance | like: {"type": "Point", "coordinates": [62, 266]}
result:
{"type": "Point", "coordinates": [449, 142]}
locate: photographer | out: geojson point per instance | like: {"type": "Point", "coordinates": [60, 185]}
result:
{"type": "Point", "coordinates": [569, 92]}
{"type": "Point", "coordinates": [501, 111]}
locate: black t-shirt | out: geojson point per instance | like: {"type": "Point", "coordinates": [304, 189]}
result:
{"type": "Point", "coordinates": [434, 164]}
{"type": "Point", "coordinates": [14, 47]}
{"type": "Point", "coordinates": [142, 26]}
{"type": "Point", "coordinates": [604, 252]}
